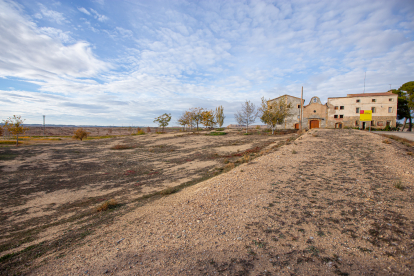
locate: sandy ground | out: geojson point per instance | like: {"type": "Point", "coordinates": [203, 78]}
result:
{"type": "Point", "coordinates": [405, 135]}
{"type": "Point", "coordinates": [326, 204]}
{"type": "Point", "coordinates": [49, 192]}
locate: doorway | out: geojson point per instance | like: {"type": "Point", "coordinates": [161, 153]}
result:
{"type": "Point", "coordinates": [314, 124]}
{"type": "Point", "coordinates": [338, 125]}
{"type": "Point", "coordinates": [363, 125]}
{"type": "Point", "coordinates": [297, 126]}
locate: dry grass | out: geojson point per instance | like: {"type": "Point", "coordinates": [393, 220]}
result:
{"type": "Point", "coordinates": [121, 147]}
{"type": "Point", "coordinates": [110, 204]}
{"type": "Point", "coordinates": [386, 141]}
{"type": "Point", "coordinates": [246, 158]}
{"type": "Point", "coordinates": [399, 185]}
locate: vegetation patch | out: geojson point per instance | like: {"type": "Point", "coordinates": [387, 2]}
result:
{"type": "Point", "coordinates": [110, 204]}
{"type": "Point", "coordinates": [121, 147]}
{"type": "Point", "coordinates": [217, 133]}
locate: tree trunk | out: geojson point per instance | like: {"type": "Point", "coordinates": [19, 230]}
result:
{"type": "Point", "coordinates": [410, 125]}
{"type": "Point", "coordinates": [405, 121]}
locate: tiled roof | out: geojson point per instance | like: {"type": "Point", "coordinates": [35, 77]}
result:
{"type": "Point", "coordinates": [372, 94]}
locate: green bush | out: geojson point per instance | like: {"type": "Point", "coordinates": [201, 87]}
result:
{"type": "Point", "coordinates": [217, 133]}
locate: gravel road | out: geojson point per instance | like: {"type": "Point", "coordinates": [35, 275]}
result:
{"type": "Point", "coordinates": [328, 203]}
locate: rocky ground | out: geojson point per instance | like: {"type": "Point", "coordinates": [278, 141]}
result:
{"type": "Point", "coordinates": [332, 202]}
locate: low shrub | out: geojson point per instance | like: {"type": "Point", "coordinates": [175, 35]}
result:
{"type": "Point", "coordinates": [140, 132]}
{"type": "Point", "coordinates": [386, 141]}
{"type": "Point", "coordinates": [121, 147]}
{"type": "Point", "coordinates": [229, 166]}
{"type": "Point", "coordinates": [80, 134]}
{"type": "Point", "coordinates": [110, 204]}
{"type": "Point", "coordinates": [148, 129]}
{"type": "Point", "coordinates": [247, 133]}
{"type": "Point", "coordinates": [169, 191]}
{"type": "Point", "coordinates": [399, 185]}
{"type": "Point", "coordinates": [10, 142]}
{"type": "Point", "coordinates": [220, 129]}
{"type": "Point", "coordinates": [217, 133]}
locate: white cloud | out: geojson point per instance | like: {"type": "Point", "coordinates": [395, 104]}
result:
{"type": "Point", "coordinates": [85, 11]}
{"type": "Point", "coordinates": [33, 55]}
{"type": "Point", "coordinates": [52, 15]}
{"type": "Point", "coordinates": [64, 37]}
{"type": "Point", "coordinates": [98, 16]}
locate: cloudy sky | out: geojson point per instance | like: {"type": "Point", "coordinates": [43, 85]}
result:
{"type": "Point", "coordinates": [108, 62]}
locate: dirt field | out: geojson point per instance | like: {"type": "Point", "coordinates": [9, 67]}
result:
{"type": "Point", "coordinates": [49, 192]}
{"type": "Point", "coordinates": [331, 202]}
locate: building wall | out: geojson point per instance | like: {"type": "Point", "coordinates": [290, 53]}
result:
{"type": "Point", "coordinates": [351, 114]}
{"type": "Point", "coordinates": [295, 112]}
{"type": "Point", "coordinates": [315, 110]}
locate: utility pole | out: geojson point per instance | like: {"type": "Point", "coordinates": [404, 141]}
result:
{"type": "Point", "coordinates": [44, 125]}
{"type": "Point", "coordinates": [390, 86]}
{"type": "Point", "coordinates": [301, 113]}
{"type": "Point", "coordinates": [364, 80]}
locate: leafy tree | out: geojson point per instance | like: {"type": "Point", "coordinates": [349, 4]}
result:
{"type": "Point", "coordinates": [80, 134]}
{"type": "Point", "coordinates": [274, 112]}
{"type": "Point", "coordinates": [408, 87]}
{"type": "Point", "coordinates": [1, 131]}
{"type": "Point", "coordinates": [403, 111]}
{"type": "Point", "coordinates": [219, 114]}
{"type": "Point", "coordinates": [186, 119]}
{"type": "Point", "coordinates": [247, 114]}
{"type": "Point", "coordinates": [14, 126]}
{"type": "Point", "coordinates": [208, 118]}
{"type": "Point", "coordinates": [163, 120]}
{"type": "Point", "coordinates": [196, 115]}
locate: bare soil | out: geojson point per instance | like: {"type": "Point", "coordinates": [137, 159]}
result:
{"type": "Point", "coordinates": [332, 202]}
{"type": "Point", "coordinates": [49, 192]}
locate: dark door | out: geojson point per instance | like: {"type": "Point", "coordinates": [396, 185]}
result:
{"type": "Point", "coordinates": [314, 124]}
{"type": "Point", "coordinates": [296, 126]}
{"type": "Point", "coordinates": [363, 125]}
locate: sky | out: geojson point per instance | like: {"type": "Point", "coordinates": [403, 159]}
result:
{"type": "Point", "coordinates": [125, 62]}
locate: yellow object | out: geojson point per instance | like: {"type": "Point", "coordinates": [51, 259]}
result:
{"type": "Point", "coordinates": [365, 115]}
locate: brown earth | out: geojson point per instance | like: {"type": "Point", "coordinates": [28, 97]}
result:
{"type": "Point", "coordinates": [333, 202]}
{"type": "Point", "coordinates": [49, 192]}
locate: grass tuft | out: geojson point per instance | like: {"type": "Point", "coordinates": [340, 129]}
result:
{"type": "Point", "coordinates": [399, 185]}
{"type": "Point", "coordinates": [217, 133]}
{"type": "Point", "coordinates": [121, 147]}
{"type": "Point", "coordinates": [110, 204]}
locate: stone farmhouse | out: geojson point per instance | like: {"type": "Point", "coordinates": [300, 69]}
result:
{"type": "Point", "coordinates": [340, 112]}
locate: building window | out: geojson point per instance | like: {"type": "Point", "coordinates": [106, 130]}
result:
{"type": "Point", "coordinates": [373, 109]}
{"type": "Point", "coordinates": [390, 99]}
{"type": "Point", "coordinates": [336, 116]}
{"type": "Point", "coordinates": [374, 100]}
{"type": "Point", "coordinates": [342, 107]}
{"type": "Point", "coordinates": [298, 105]}
{"type": "Point", "coordinates": [358, 101]}
{"type": "Point", "coordinates": [341, 116]}
{"type": "Point", "coordinates": [314, 100]}
{"type": "Point", "coordinates": [388, 123]}
{"type": "Point", "coordinates": [389, 109]}
{"type": "Point", "coordinates": [314, 111]}
{"type": "Point", "coordinates": [356, 123]}
{"type": "Point", "coordinates": [357, 110]}
{"type": "Point", "coordinates": [336, 108]}
{"type": "Point", "coordinates": [380, 123]}
{"type": "Point", "coordinates": [372, 123]}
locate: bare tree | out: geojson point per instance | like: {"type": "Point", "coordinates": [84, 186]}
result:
{"type": "Point", "coordinates": [247, 114]}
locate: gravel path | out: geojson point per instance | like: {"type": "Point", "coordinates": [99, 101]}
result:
{"type": "Point", "coordinates": [325, 204]}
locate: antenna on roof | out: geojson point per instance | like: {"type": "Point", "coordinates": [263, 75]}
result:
{"type": "Point", "coordinates": [364, 80]}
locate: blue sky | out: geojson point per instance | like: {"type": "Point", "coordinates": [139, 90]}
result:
{"type": "Point", "coordinates": [126, 62]}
